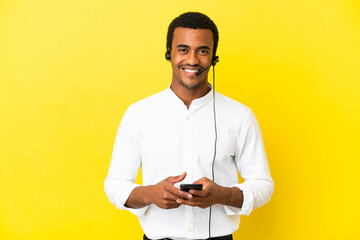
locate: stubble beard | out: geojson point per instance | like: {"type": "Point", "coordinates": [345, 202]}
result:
{"type": "Point", "coordinates": [189, 86]}
{"type": "Point", "coordinates": [192, 84]}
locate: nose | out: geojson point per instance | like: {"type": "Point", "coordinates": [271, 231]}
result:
{"type": "Point", "coordinates": [192, 58]}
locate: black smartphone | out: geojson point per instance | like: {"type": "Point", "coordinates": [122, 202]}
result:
{"type": "Point", "coordinates": [187, 187]}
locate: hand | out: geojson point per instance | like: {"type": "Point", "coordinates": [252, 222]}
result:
{"type": "Point", "coordinates": [211, 194]}
{"type": "Point", "coordinates": [164, 194]}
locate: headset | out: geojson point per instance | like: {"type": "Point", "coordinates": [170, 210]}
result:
{"type": "Point", "coordinates": [167, 55]}
{"type": "Point", "coordinates": [213, 63]}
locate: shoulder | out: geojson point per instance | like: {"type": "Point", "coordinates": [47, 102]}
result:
{"type": "Point", "coordinates": [231, 106]}
{"type": "Point", "coordinates": [150, 101]}
{"type": "Point", "coordinates": [149, 106]}
{"type": "Point", "coordinates": [234, 114]}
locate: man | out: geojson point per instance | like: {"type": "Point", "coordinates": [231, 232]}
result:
{"type": "Point", "coordinates": [181, 135]}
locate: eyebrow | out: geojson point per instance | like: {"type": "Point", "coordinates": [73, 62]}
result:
{"type": "Point", "coordinates": [204, 47]}
{"type": "Point", "coordinates": [182, 45]}
{"type": "Point", "coordinates": [187, 46]}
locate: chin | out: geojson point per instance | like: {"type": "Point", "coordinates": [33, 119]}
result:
{"type": "Point", "coordinates": [190, 85]}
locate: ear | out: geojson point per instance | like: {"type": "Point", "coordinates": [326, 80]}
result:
{"type": "Point", "coordinates": [215, 60]}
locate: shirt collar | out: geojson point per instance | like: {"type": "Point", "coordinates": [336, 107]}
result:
{"type": "Point", "coordinates": [196, 103]}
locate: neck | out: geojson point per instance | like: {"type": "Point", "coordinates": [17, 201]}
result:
{"type": "Point", "coordinates": [188, 95]}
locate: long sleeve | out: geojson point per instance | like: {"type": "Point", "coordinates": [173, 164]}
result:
{"type": "Point", "coordinates": [125, 163]}
{"type": "Point", "coordinates": [165, 138]}
{"type": "Point", "coordinates": [253, 167]}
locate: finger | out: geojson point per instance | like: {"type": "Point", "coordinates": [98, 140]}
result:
{"type": "Point", "coordinates": [198, 192]}
{"type": "Point", "coordinates": [201, 180]}
{"type": "Point", "coordinates": [172, 197]}
{"type": "Point", "coordinates": [200, 204]}
{"type": "Point", "coordinates": [176, 179]}
{"type": "Point", "coordinates": [186, 202]}
{"type": "Point", "coordinates": [177, 192]}
{"type": "Point", "coordinates": [183, 194]}
{"type": "Point", "coordinates": [174, 204]}
{"type": "Point", "coordinates": [197, 199]}
{"type": "Point", "coordinates": [170, 205]}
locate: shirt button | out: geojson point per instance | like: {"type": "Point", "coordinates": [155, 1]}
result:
{"type": "Point", "coordinates": [188, 118]}
{"type": "Point", "coordinates": [189, 230]}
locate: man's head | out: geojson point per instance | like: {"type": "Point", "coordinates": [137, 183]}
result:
{"type": "Point", "coordinates": [192, 20]}
{"type": "Point", "coordinates": [191, 46]}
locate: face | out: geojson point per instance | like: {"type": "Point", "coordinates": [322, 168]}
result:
{"type": "Point", "coordinates": [191, 51]}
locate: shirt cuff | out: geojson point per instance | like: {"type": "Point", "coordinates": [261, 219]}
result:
{"type": "Point", "coordinates": [247, 206]}
{"type": "Point", "coordinates": [123, 197]}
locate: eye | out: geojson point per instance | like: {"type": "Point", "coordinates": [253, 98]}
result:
{"type": "Point", "coordinates": [182, 50]}
{"type": "Point", "coordinates": [203, 52]}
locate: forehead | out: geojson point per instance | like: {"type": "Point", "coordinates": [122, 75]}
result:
{"type": "Point", "coordinates": [193, 37]}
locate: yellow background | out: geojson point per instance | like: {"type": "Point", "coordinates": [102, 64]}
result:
{"type": "Point", "coordinates": [69, 69]}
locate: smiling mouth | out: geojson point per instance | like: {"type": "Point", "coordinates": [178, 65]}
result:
{"type": "Point", "coordinates": [191, 70]}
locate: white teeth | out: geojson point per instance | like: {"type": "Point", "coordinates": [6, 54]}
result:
{"type": "Point", "coordinates": [191, 70]}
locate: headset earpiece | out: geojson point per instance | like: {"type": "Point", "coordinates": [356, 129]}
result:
{"type": "Point", "coordinates": [167, 55]}
{"type": "Point", "coordinates": [214, 60]}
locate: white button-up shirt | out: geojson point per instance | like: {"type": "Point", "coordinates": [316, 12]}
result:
{"type": "Point", "coordinates": [164, 138]}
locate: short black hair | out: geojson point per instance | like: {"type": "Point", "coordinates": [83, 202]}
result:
{"type": "Point", "coordinates": [193, 20]}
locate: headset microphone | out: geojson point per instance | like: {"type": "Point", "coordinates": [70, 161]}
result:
{"type": "Point", "coordinates": [216, 59]}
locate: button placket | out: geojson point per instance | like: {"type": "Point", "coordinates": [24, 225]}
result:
{"type": "Point", "coordinates": [188, 166]}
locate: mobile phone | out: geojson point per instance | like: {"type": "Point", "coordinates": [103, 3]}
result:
{"type": "Point", "coordinates": [187, 187]}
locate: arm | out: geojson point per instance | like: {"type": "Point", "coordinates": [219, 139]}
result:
{"type": "Point", "coordinates": [253, 167]}
{"type": "Point", "coordinates": [162, 194]}
{"type": "Point", "coordinates": [213, 193]}
{"type": "Point", "coordinates": [125, 163]}
{"type": "Point", "coordinates": [120, 184]}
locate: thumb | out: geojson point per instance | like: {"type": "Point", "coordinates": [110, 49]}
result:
{"type": "Point", "coordinates": [177, 178]}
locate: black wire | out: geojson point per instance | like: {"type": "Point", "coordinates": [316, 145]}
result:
{"type": "Point", "coordinates": [215, 128]}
